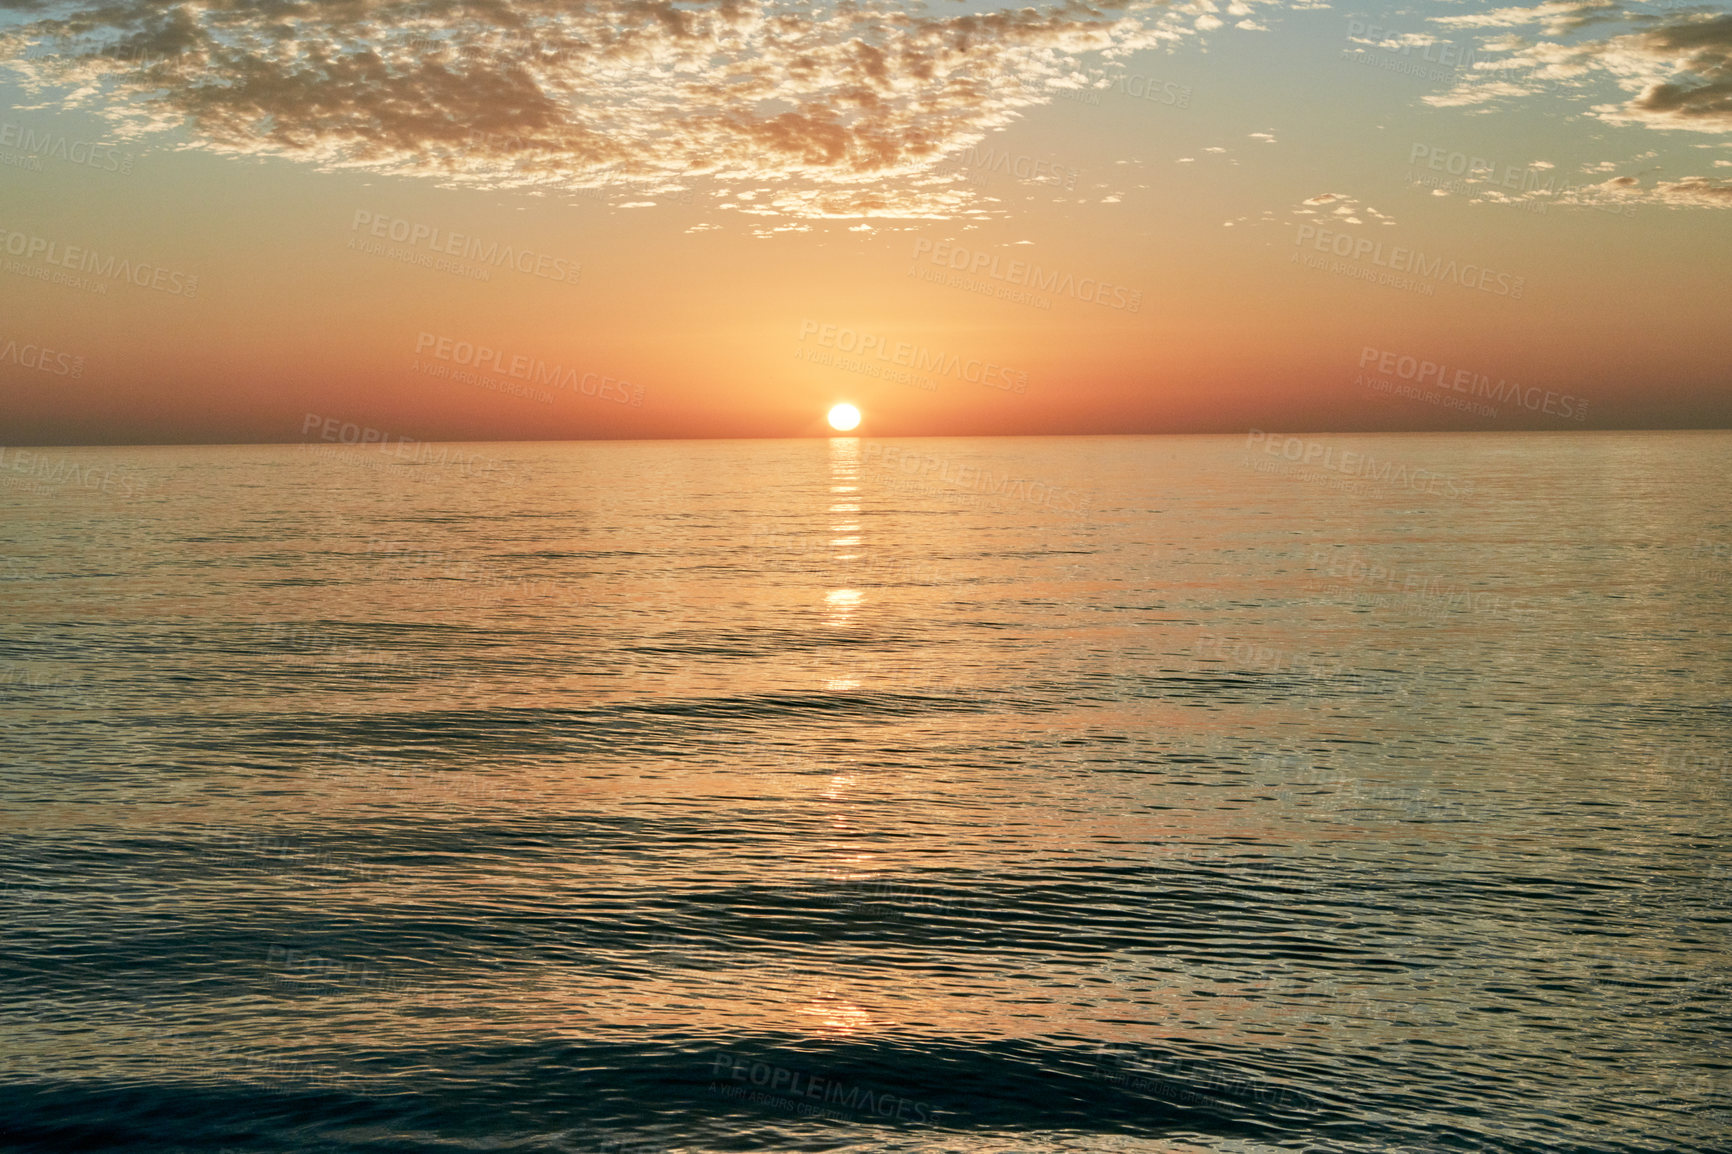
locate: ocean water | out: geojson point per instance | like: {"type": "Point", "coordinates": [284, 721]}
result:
{"type": "Point", "coordinates": [1333, 793]}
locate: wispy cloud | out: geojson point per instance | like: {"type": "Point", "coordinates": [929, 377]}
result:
{"type": "Point", "coordinates": [1676, 68]}
{"type": "Point", "coordinates": [1684, 192]}
{"type": "Point", "coordinates": [845, 109]}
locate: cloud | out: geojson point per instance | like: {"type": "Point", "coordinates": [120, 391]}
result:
{"type": "Point", "coordinates": [1685, 68]}
{"type": "Point", "coordinates": [1676, 69]}
{"type": "Point", "coordinates": [1346, 209]}
{"type": "Point", "coordinates": [1684, 192]}
{"type": "Point", "coordinates": [846, 109]}
{"type": "Point", "coordinates": [1694, 190]}
{"type": "Point", "coordinates": [1557, 17]}
{"type": "Point", "coordinates": [1612, 192]}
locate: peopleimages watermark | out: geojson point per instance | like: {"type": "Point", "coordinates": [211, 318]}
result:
{"type": "Point", "coordinates": [461, 268]}
{"type": "Point", "coordinates": [478, 584]}
{"type": "Point", "coordinates": [1140, 87]}
{"type": "Point", "coordinates": [976, 479]}
{"type": "Point", "coordinates": [37, 146]}
{"type": "Point", "coordinates": [283, 854]}
{"type": "Point", "coordinates": [843, 362]}
{"type": "Point", "coordinates": [1438, 60]}
{"type": "Point", "coordinates": [1084, 94]}
{"type": "Point", "coordinates": [1439, 159]}
{"type": "Point", "coordinates": [1406, 260]}
{"type": "Point", "coordinates": [68, 692]}
{"type": "Point", "coordinates": [406, 450]}
{"type": "Point", "coordinates": [47, 471]}
{"type": "Point", "coordinates": [1134, 84]}
{"type": "Point", "coordinates": [448, 368]}
{"type": "Point", "coordinates": [1025, 274]}
{"type": "Point", "coordinates": [341, 767]}
{"type": "Point", "coordinates": [1418, 393]}
{"type": "Point", "coordinates": [897, 898]}
{"type": "Point", "coordinates": [602, 183]}
{"type": "Point", "coordinates": [610, 1145]}
{"type": "Point", "coordinates": [1711, 556]}
{"type": "Point", "coordinates": [526, 368]}
{"type": "Point", "coordinates": [1160, 1076]}
{"type": "Point", "coordinates": [1428, 592]}
{"type": "Point", "coordinates": [291, 970]}
{"type": "Point", "coordinates": [86, 260]}
{"type": "Point", "coordinates": [917, 358]}
{"type": "Point", "coordinates": [41, 358]}
{"type": "Point", "coordinates": [1359, 466]}
{"type": "Point", "coordinates": [443, 243]}
{"type": "Point", "coordinates": [1466, 174]}
{"type": "Point", "coordinates": [981, 163]}
{"type": "Point", "coordinates": [809, 1093]}
{"type": "Point", "coordinates": [1473, 384]}
{"type": "Point", "coordinates": [1374, 276]}
{"type": "Point", "coordinates": [1213, 651]}
{"type": "Point", "coordinates": [65, 45]}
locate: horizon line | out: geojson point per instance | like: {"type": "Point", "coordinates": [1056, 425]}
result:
{"type": "Point", "coordinates": [862, 437]}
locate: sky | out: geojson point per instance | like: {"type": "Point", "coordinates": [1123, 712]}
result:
{"type": "Point", "coordinates": [545, 220]}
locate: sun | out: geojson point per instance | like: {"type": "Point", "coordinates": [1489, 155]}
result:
{"type": "Point", "coordinates": [844, 417]}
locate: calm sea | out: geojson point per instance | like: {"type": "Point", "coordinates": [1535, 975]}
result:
{"type": "Point", "coordinates": [1331, 793]}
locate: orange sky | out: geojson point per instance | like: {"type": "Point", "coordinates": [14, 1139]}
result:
{"type": "Point", "coordinates": [723, 219]}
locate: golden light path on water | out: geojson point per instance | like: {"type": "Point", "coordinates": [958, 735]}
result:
{"type": "Point", "coordinates": [608, 792]}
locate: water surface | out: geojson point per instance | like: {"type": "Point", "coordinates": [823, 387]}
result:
{"type": "Point", "coordinates": [1094, 794]}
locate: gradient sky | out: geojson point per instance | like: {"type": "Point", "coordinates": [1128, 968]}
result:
{"type": "Point", "coordinates": [1308, 217]}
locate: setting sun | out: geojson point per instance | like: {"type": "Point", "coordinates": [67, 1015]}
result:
{"type": "Point", "coordinates": [1093, 756]}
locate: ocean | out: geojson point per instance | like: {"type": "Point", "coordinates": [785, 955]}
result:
{"type": "Point", "coordinates": [1238, 793]}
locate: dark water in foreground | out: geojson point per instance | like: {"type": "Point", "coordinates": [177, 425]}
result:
{"type": "Point", "coordinates": [815, 796]}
